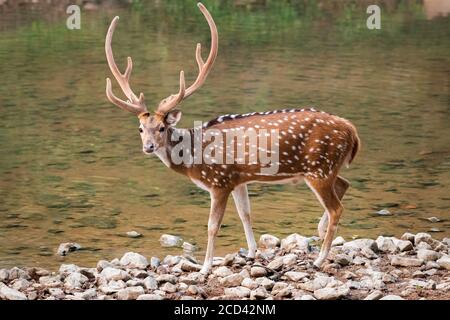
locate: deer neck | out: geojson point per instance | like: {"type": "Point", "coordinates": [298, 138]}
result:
{"type": "Point", "coordinates": [165, 153]}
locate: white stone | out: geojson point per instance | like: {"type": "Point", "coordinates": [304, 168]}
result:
{"type": "Point", "coordinates": [295, 276]}
{"type": "Point", "coordinates": [75, 281]}
{"type": "Point", "coordinates": [331, 293]}
{"type": "Point", "coordinates": [444, 262]}
{"type": "Point", "coordinates": [428, 255]}
{"type": "Point", "coordinates": [339, 241]}
{"type": "Point", "coordinates": [65, 248]}
{"type": "Point", "coordinates": [258, 271]}
{"type": "Point", "coordinates": [11, 294]}
{"type": "Point", "coordinates": [404, 245]}
{"type": "Point", "coordinates": [222, 272]}
{"type": "Point", "coordinates": [130, 293]}
{"type": "Point", "coordinates": [358, 244]}
{"type": "Point", "coordinates": [239, 292]}
{"type": "Point", "coordinates": [168, 240]}
{"type": "Point", "coordinates": [134, 260]}
{"type": "Point", "coordinates": [406, 262]}
{"type": "Point", "coordinates": [114, 274]}
{"type": "Point", "coordinates": [150, 297]}
{"type": "Point", "coordinates": [392, 297]}
{"type": "Point", "coordinates": [385, 244]}
{"type": "Point", "coordinates": [295, 241]}
{"type": "Point", "coordinates": [268, 241]}
{"type": "Point", "coordinates": [232, 280]}
{"type": "Point", "coordinates": [422, 237]}
{"type": "Point", "coordinates": [150, 283]}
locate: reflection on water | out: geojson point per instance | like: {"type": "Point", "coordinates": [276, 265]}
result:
{"type": "Point", "coordinates": [72, 169]}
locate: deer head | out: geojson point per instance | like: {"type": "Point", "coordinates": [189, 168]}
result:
{"type": "Point", "coordinates": [153, 125]}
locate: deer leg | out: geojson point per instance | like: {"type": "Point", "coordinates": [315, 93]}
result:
{"type": "Point", "coordinates": [326, 194]}
{"type": "Point", "coordinates": [240, 196]}
{"type": "Point", "coordinates": [340, 187]}
{"type": "Point", "coordinates": [218, 203]}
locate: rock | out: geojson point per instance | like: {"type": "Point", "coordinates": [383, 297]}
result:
{"type": "Point", "coordinates": [134, 260]}
{"type": "Point", "coordinates": [4, 275]}
{"type": "Point", "coordinates": [68, 268]}
{"type": "Point", "coordinates": [368, 253]}
{"type": "Point", "coordinates": [114, 274]}
{"type": "Point", "coordinates": [276, 264]}
{"type": "Point", "coordinates": [102, 264]}
{"type": "Point", "coordinates": [57, 293]}
{"type": "Point", "coordinates": [406, 262]}
{"type": "Point", "coordinates": [408, 237]}
{"type": "Point", "coordinates": [166, 278]}
{"type": "Point", "coordinates": [150, 283]}
{"type": "Point", "coordinates": [21, 284]}
{"type": "Point", "coordinates": [193, 278]}
{"type": "Point", "coordinates": [188, 247]}
{"type": "Point", "coordinates": [11, 294]}
{"type": "Point", "coordinates": [423, 245]}
{"type": "Point", "coordinates": [239, 292]}
{"type": "Point", "coordinates": [385, 244]}
{"type": "Point", "coordinates": [392, 297]}
{"type": "Point", "coordinates": [322, 281]}
{"type": "Point", "coordinates": [259, 294]}
{"type": "Point", "coordinates": [433, 219]}
{"type": "Point", "coordinates": [331, 293]}
{"type": "Point", "coordinates": [168, 240]}
{"type": "Point", "coordinates": [289, 259]}
{"type": "Point", "coordinates": [430, 285]}
{"type": "Point", "coordinates": [168, 287]}
{"type": "Point", "coordinates": [232, 280]}
{"type": "Point", "coordinates": [75, 281]}
{"type": "Point", "coordinates": [383, 212]}
{"type": "Point", "coordinates": [17, 273]}
{"type": "Point", "coordinates": [50, 281]}
{"type": "Point", "coordinates": [89, 294]}
{"type": "Point", "coordinates": [358, 244]}
{"type": "Point", "coordinates": [307, 297]}
{"type": "Point", "coordinates": [154, 262]}
{"type": "Point", "coordinates": [150, 297]}
{"type": "Point", "coordinates": [130, 293]}
{"type": "Point", "coordinates": [249, 283]}
{"type": "Point", "coordinates": [171, 260]}
{"type": "Point", "coordinates": [189, 266]}
{"type": "Point", "coordinates": [339, 241]}
{"type": "Point", "coordinates": [65, 248]}
{"type": "Point", "coordinates": [222, 272]}
{"type": "Point", "coordinates": [258, 272]}
{"type": "Point", "coordinates": [112, 287]}
{"type": "Point", "coordinates": [374, 295]}
{"type": "Point", "coordinates": [444, 262]}
{"type": "Point", "coordinates": [278, 286]}
{"type": "Point", "coordinates": [422, 237]}
{"type": "Point", "coordinates": [218, 261]}
{"type": "Point", "coordinates": [133, 234]}
{"type": "Point", "coordinates": [229, 258]}
{"type": "Point", "coordinates": [343, 259]}
{"type": "Point", "coordinates": [265, 282]}
{"type": "Point", "coordinates": [267, 241]}
{"type": "Point", "coordinates": [404, 245]}
{"type": "Point", "coordinates": [295, 241]}
{"type": "Point", "coordinates": [295, 276]}
{"type": "Point", "coordinates": [428, 255]}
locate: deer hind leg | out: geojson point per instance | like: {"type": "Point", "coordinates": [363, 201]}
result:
{"type": "Point", "coordinates": [326, 194]}
{"type": "Point", "coordinates": [240, 196]}
{"type": "Point", "coordinates": [340, 187]}
{"type": "Point", "coordinates": [218, 204]}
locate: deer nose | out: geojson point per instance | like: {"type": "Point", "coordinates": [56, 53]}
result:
{"type": "Point", "coordinates": [149, 148]}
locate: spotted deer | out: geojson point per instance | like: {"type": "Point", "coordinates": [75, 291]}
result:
{"type": "Point", "coordinates": [311, 146]}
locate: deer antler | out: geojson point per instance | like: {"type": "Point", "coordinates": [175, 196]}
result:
{"type": "Point", "coordinates": [133, 104]}
{"type": "Point", "coordinates": [172, 101]}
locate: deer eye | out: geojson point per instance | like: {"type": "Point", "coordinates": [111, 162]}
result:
{"type": "Point", "coordinates": [161, 129]}
{"type": "Point", "coordinates": [140, 130]}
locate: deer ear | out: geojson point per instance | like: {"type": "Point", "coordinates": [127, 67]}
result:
{"type": "Point", "coordinates": [173, 117]}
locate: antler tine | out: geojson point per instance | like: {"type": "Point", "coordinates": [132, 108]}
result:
{"type": "Point", "coordinates": [172, 101]}
{"type": "Point", "coordinates": [203, 67]}
{"type": "Point", "coordinates": [134, 104]}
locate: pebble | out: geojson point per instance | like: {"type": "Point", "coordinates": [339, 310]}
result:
{"type": "Point", "coordinates": [133, 234]}
{"type": "Point", "coordinates": [150, 297]}
{"type": "Point", "coordinates": [239, 292]}
{"type": "Point", "coordinates": [374, 295]}
{"type": "Point", "coordinates": [168, 240]}
{"type": "Point", "coordinates": [339, 241]}
{"type": "Point", "coordinates": [130, 293]}
{"type": "Point", "coordinates": [11, 294]}
{"type": "Point", "coordinates": [428, 255]}
{"type": "Point", "coordinates": [295, 241]}
{"type": "Point", "coordinates": [267, 241]}
{"type": "Point", "coordinates": [134, 260]}
{"type": "Point", "coordinates": [65, 248]}
{"type": "Point", "coordinates": [404, 245]}
{"type": "Point", "coordinates": [111, 273]}
{"type": "Point", "coordinates": [331, 293]}
{"type": "Point", "coordinates": [258, 272]}
{"type": "Point", "coordinates": [343, 259]}
{"type": "Point", "coordinates": [406, 262]}
{"type": "Point", "coordinates": [392, 297]}
{"type": "Point", "coordinates": [444, 262]}
{"type": "Point", "coordinates": [232, 280]}
{"type": "Point", "coordinates": [295, 276]}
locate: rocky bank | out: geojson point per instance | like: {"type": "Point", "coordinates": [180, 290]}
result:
{"type": "Point", "coordinates": [413, 267]}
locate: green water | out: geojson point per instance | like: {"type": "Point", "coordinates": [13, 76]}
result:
{"type": "Point", "coordinates": [71, 165]}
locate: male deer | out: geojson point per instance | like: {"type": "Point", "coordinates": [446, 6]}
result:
{"type": "Point", "coordinates": [311, 146]}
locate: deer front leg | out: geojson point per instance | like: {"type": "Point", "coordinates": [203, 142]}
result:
{"type": "Point", "coordinates": [218, 203]}
{"type": "Point", "coordinates": [240, 196]}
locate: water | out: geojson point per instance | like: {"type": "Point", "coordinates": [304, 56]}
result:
{"type": "Point", "coordinates": [72, 168]}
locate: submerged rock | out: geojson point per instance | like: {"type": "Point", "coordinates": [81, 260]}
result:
{"type": "Point", "coordinates": [168, 240]}
{"type": "Point", "coordinates": [65, 248]}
